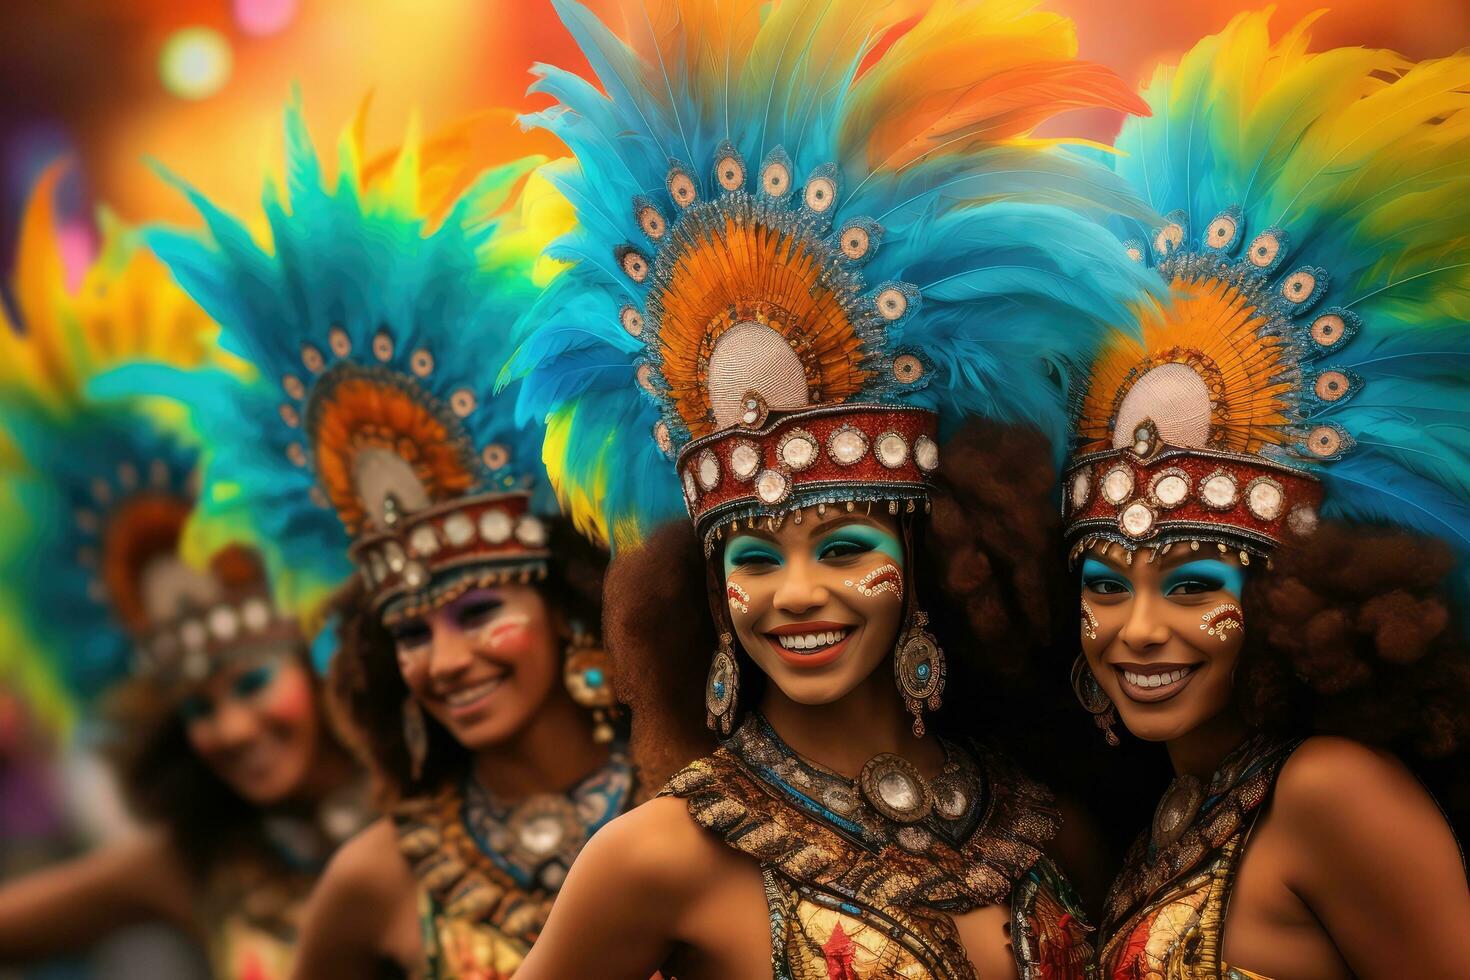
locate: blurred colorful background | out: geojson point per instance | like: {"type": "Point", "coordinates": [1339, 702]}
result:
{"type": "Point", "coordinates": [198, 84]}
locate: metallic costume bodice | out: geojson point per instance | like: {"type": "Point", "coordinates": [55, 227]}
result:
{"type": "Point", "coordinates": [488, 872]}
{"type": "Point", "coordinates": [855, 894]}
{"type": "Point", "coordinates": [1165, 914]}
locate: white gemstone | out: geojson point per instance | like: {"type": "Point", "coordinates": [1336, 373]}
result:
{"type": "Point", "coordinates": [224, 623]}
{"type": "Point", "coordinates": [414, 575]}
{"type": "Point", "coordinates": [1171, 490]}
{"type": "Point", "coordinates": [799, 451]}
{"type": "Point", "coordinates": [530, 531]}
{"type": "Point", "coordinates": [745, 459]}
{"type": "Point", "coordinates": [1081, 487]}
{"type": "Point", "coordinates": [690, 493]}
{"type": "Point", "coordinates": [847, 446]}
{"type": "Point", "coordinates": [926, 454]}
{"type": "Point", "coordinates": [1137, 519]}
{"type": "Point", "coordinates": [192, 635]}
{"type": "Point", "coordinates": [257, 615]}
{"type": "Point", "coordinates": [1117, 485]}
{"type": "Point", "coordinates": [394, 556]}
{"type": "Point", "coordinates": [892, 451]}
{"type": "Point", "coordinates": [542, 835]}
{"type": "Point", "coordinates": [709, 470]}
{"type": "Point", "coordinates": [898, 791]}
{"type": "Point", "coordinates": [423, 540]}
{"type": "Point", "coordinates": [951, 803]}
{"type": "Point", "coordinates": [459, 530]}
{"type": "Point", "coordinates": [1219, 490]}
{"type": "Point", "coordinates": [770, 486]}
{"type": "Point", "coordinates": [376, 568]}
{"type": "Point", "coordinates": [495, 526]}
{"type": "Point", "coordinates": [1265, 500]}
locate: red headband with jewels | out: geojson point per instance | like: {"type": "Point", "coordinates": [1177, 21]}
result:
{"type": "Point", "coordinates": [190, 646]}
{"type": "Point", "coordinates": [495, 533]}
{"type": "Point", "coordinates": [832, 454]}
{"type": "Point", "coordinates": [1138, 497]}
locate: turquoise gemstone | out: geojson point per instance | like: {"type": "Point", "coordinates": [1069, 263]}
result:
{"type": "Point", "coordinates": [922, 671]}
{"type": "Point", "coordinates": [719, 689]}
{"type": "Point", "coordinates": [593, 676]}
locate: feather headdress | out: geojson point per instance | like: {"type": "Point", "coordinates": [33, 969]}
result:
{"type": "Point", "coordinates": [95, 492]}
{"type": "Point", "coordinates": [1317, 207]}
{"type": "Point", "coordinates": [810, 237]}
{"type": "Point", "coordinates": [376, 317]}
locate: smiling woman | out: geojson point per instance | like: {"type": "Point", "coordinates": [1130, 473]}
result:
{"type": "Point", "coordinates": [1238, 459]}
{"type": "Point", "coordinates": [791, 317]}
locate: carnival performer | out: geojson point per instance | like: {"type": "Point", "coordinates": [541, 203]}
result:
{"type": "Point", "coordinates": [803, 258]}
{"type": "Point", "coordinates": [1269, 510]}
{"type": "Point", "coordinates": [468, 669]}
{"type": "Point", "coordinates": [186, 670]}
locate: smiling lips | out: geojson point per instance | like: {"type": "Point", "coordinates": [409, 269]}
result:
{"type": "Point", "coordinates": [1154, 682]}
{"type": "Point", "coordinates": [469, 699]}
{"type": "Point", "coordinates": [809, 645]}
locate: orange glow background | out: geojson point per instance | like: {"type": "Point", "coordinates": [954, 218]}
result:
{"type": "Point", "coordinates": [82, 77]}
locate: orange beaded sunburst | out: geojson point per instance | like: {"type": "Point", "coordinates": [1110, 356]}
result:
{"type": "Point", "coordinates": [363, 410]}
{"type": "Point", "coordinates": [1213, 327]}
{"type": "Point", "coordinates": [736, 267]}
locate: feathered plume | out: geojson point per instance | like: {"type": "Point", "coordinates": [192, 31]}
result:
{"type": "Point", "coordinates": [907, 123]}
{"type": "Point", "coordinates": [376, 268]}
{"type": "Point", "coordinates": [1339, 182]}
{"type": "Point", "coordinates": [72, 464]}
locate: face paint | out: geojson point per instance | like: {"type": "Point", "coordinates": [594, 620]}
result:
{"type": "Point", "coordinates": [1089, 621]}
{"type": "Point", "coordinates": [884, 578]}
{"type": "Point", "coordinates": [1222, 619]}
{"type": "Point", "coordinates": [738, 597]}
{"type": "Point", "coordinates": [746, 551]}
{"type": "Point", "coordinates": [1104, 579]}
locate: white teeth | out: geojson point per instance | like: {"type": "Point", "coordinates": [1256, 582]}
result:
{"type": "Point", "coordinates": [810, 641]}
{"type": "Point", "coordinates": [469, 695]}
{"type": "Point", "coordinates": [1164, 679]}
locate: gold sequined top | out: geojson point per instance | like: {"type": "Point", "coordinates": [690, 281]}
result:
{"type": "Point", "coordinates": [488, 874]}
{"type": "Point", "coordinates": [856, 894]}
{"type": "Point", "coordinates": [1165, 914]}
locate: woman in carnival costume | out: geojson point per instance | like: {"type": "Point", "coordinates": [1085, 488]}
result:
{"type": "Point", "coordinates": [1268, 505]}
{"type": "Point", "coordinates": [785, 293]}
{"type": "Point", "coordinates": [187, 670]}
{"type": "Point", "coordinates": [378, 325]}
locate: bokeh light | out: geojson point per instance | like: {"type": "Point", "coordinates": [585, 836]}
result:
{"type": "Point", "coordinates": [195, 62]}
{"type": "Point", "coordinates": [264, 17]}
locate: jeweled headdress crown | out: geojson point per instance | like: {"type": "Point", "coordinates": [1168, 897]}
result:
{"type": "Point", "coordinates": [802, 253]}
{"type": "Point", "coordinates": [1315, 233]}
{"type": "Point", "coordinates": [96, 492]}
{"type": "Point", "coordinates": [377, 327]}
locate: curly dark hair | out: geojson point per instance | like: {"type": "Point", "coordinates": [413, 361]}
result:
{"type": "Point", "coordinates": [1354, 631]}
{"type": "Point", "coordinates": [367, 692]}
{"type": "Point", "coordinates": [983, 569]}
{"type": "Point", "coordinates": [165, 782]}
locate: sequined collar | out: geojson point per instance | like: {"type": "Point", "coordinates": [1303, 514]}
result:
{"type": "Point", "coordinates": [1195, 819]}
{"type": "Point", "coordinates": [534, 841]}
{"type": "Point", "coordinates": [449, 842]}
{"type": "Point", "coordinates": [818, 827]}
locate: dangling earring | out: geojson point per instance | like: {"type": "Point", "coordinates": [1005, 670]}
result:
{"type": "Point", "coordinates": [919, 668]}
{"type": "Point", "coordinates": [1222, 619]}
{"type": "Point", "coordinates": [722, 688]}
{"type": "Point", "coordinates": [1093, 698]}
{"type": "Point", "coordinates": [587, 673]}
{"type": "Point", "coordinates": [415, 736]}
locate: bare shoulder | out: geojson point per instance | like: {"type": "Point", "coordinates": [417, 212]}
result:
{"type": "Point", "coordinates": [659, 846]}
{"type": "Point", "coordinates": [369, 867]}
{"type": "Point", "coordinates": [1335, 790]}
